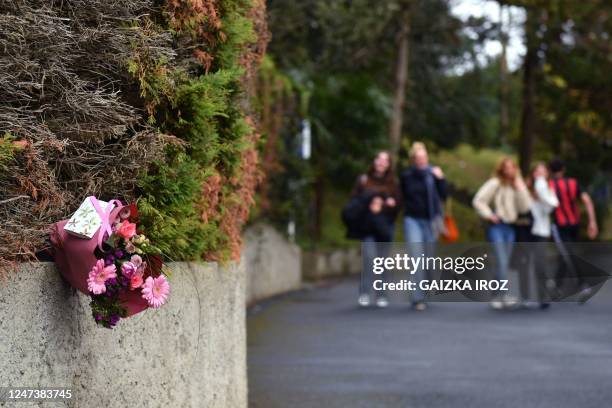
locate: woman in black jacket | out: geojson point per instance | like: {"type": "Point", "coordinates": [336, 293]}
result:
{"type": "Point", "coordinates": [377, 194]}
{"type": "Point", "coordinates": [424, 190]}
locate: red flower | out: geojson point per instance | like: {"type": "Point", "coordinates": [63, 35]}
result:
{"type": "Point", "coordinates": [126, 229]}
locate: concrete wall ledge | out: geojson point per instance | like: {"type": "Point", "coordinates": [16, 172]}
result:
{"type": "Point", "coordinates": [331, 263]}
{"type": "Point", "coordinates": [189, 353]}
{"type": "Point", "coordinates": [273, 264]}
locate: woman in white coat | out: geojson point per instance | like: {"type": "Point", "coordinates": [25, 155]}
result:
{"type": "Point", "coordinates": [544, 201]}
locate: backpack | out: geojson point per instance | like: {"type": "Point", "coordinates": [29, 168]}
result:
{"type": "Point", "coordinates": [353, 215]}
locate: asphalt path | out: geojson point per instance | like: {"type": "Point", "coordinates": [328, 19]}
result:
{"type": "Point", "coordinates": [315, 348]}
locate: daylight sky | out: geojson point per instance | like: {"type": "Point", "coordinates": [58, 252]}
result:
{"type": "Point", "coordinates": [490, 9]}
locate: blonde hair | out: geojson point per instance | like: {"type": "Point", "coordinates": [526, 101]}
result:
{"type": "Point", "coordinates": [415, 148]}
{"type": "Point", "coordinates": [499, 169]}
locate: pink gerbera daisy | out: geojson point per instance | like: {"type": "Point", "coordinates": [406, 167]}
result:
{"type": "Point", "coordinates": [98, 275]}
{"type": "Point", "coordinates": [156, 290]}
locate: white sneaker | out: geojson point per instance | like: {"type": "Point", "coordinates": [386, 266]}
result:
{"type": "Point", "coordinates": [497, 304]}
{"type": "Point", "coordinates": [584, 294]}
{"type": "Point", "coordinates": [510, 301]}
{"type": "Point", "coordinates": [382, 302]}
{"type": "Point", "coordinates": [364, 300]}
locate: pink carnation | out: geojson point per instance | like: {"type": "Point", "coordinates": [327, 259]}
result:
{"type": "Point", "coordinates": [136, 281]}
{"type": "Point", "coordinates": [126, 229]}
{"type": "Point", "coordinates": [128, 269]}
{"type": "Point", "coordinates": [156, 290]}
{"type": "Point", "coordinates": [98, 275]}
{"type": "Point", "coordinates": [136, 260]}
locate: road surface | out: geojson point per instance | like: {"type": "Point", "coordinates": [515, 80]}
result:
{"type": "Point", "coordinates": [315, 348]}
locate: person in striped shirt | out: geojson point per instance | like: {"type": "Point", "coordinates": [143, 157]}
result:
{"type": "Point", "coordinates": [566, 221]}
{"type": "Point", "coordinates": [567, 214]}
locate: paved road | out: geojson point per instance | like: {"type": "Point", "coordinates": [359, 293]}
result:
{"type": "Point", "coordinates": [316, 349]}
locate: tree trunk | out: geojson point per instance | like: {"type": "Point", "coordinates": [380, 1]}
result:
{"type": "Point", "coordinates": [528, 120]}
{"type": "Point", "coordinates": [504, 116]}
{"type": "Point", "coordinates": [319, 200]}
{"type": "Point", "coordinates": [401, 78]}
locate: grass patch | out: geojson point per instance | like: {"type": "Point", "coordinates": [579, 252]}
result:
{"type": "Point", "coordinates": [467, 168]}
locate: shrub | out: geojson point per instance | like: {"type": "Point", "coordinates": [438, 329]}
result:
{"type": "Point", "coordinates": [135, 99]}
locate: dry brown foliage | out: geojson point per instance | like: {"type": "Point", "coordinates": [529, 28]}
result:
{"type": "Point", "coordinates": [252, 57]}
{"type": "Point", "coordinates": [199, 20]}
{"type": "Point", "coordinates": [244, 184]}
{"type": "Point", "coordinates": [66, 91]}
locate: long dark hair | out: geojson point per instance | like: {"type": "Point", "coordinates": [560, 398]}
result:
{"type": "Point", "coordinates": [388, 179]}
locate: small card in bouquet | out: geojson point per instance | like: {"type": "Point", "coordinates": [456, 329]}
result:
{"type": "Point", "coordinates": [86, 221]}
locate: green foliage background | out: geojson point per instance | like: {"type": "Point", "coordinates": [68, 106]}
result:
{"type": "Point", "coordinates": [344, 54]}
{"type": "Point", "coordinates": [205, 109]}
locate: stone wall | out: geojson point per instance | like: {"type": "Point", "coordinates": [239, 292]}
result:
{"type": "Point", "coordinates": [333, 263]}
{"type": "Point", "coordinates": [273, 265]}
{"type": "Point", "coordinates": [189, 353]}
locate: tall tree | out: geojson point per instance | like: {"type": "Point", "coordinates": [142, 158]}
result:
{"type": "Point", "coordinates": [530, 68]}
{"type": "Point", "coordinates": [378, 71]}
{"type": "Point", "coordinates": [401, 79]}
{"type": "Point", "coordinates": [504, 118]}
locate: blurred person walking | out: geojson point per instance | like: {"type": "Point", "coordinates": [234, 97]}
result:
{"type": "Point", "coordinates": [499, 202]}
{"type": "Point", "coordinates": [567, 221]}
{"type": "Point", "coordinates": [370, 217]}
{"type": "Point", "coordinates": [544, 201]}
{"type": "Point", "coordinates": [424, 189]}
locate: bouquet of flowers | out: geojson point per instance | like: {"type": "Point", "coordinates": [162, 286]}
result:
{"type": "Point", "coordinates": [123, 273]}
{"type": "Point", "coordinates": [129, 263]}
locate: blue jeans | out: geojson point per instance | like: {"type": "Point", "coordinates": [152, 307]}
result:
{"type": "Point", "coordinates": [502, 237]}
{"type": "Point", "coordinates": [420, 240]}
{"type": "Point", "coordinates": [371, 249]}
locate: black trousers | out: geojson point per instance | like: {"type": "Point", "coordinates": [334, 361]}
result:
{"type": "Point", "coordinates": [566, 271]}
{"type": "Point", "coordinates": [568, 233]}
{"type": "Point", "coordinates": [535, 257]}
